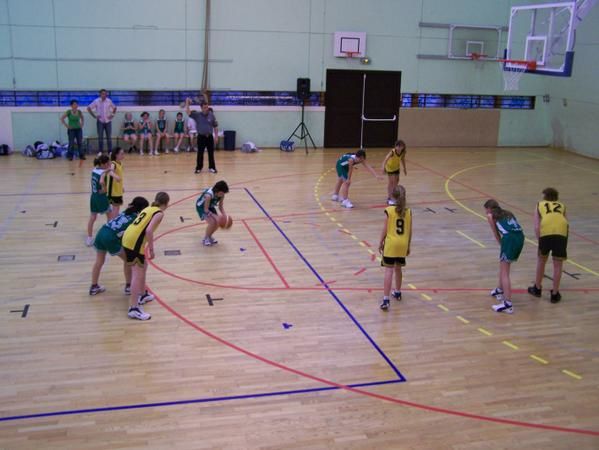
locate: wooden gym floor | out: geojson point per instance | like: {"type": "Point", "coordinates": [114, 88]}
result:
{"type": "Point", "coordinates": [294, 351]}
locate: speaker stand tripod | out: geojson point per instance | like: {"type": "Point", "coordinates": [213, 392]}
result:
{"type": "Point", "coordinates": [303, 131]}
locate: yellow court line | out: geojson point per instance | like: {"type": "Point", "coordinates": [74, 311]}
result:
{"type": "Point", "coordinates": [362, 244]}
{"type": "Point", "coordinates": [480, 244]}
{"type": "Point", "coordinates": [485, 332]}
{"type": "Point", "coordinates": [572, 374]}
{"type": "Point", "coordinates": [462, 319]}
{"type": "Point", "coordinates": [470, 210]}
{"type": "Point", "coordinates": [426, 297]}
{"type": "Point", "coordinates": [371, 251]}
{"type": "Point", "coordinates": [340, 225]}
{"type": "Point", "coordinates": [411, 286]}
{"type": "Point", "coordinates": [354, 237]}
{"type": "Point", "coordinates": [510, 345]}
{"type": "Point", "coordinates": [539, 359]}
{"type": "Point", "coordinates": [443, 307]}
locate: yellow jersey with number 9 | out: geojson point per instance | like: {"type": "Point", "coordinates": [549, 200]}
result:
{"type": "Point", "coordinates": [135, 234]}
{"type": "Point", "coordinates": [553, 219]}
{"type": "Point", "coordinates": [399, 230]}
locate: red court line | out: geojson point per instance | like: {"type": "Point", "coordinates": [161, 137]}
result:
{"type": "Point", "coordinates": [344, 231]}
{"type": "Point", "coordinates": [362, 270]}
{"type": "Point", "coordinates": [152, 262]}
{"type": "Point", "coordinates": [324, 283]}
{"type": "Point", "coordinates": [500, 200]}
{"type": "Point", "coordinates": [366, 243]}
{"type": "Point", "coordinates": [368, 393]}
{"type": "Point", "coordinates": [265, 253]}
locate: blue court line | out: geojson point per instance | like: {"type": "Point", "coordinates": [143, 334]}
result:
{"type": "Point", "coordinates": [70, 412]}
{"type": "Point", "coordinates": [330, 291]}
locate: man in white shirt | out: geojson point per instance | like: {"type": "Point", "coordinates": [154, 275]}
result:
{"type": "Point", "coordinates": [103, 110]}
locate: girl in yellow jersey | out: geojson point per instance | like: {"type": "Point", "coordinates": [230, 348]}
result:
{"type": "Point", "coordinates": [551, 228]}
{"type": "Point", "coordinates": [391, 166]}
{"type": "Point", "coordinates": [396, 238]}
{"type": "Point", "coordinates": [138, 242]}
{"type": "Point", "coordinates": [114, 188]}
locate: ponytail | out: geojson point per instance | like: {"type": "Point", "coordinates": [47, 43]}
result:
{"type": "Point", "coordinates": [399, 195]}
{"type": "Point", "coordinates": [497, 211]}
{"type": "Point", "coordinates": [136, 205]}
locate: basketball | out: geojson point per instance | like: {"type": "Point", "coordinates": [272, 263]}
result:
{"type": "Point", "coordinates": [229, 222]}
{"type": "Point", "coordinates": [222, 220]}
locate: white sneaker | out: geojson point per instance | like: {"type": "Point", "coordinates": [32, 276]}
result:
{"type": "Point", "coordinates": [97, 289]}
{"type": "Point", "coordinates": [166, 151]}
{"type": "Point", "coordinates": [89, 241]}
{"type": "Point", "coordinates": [504, 307]}
{"type": "Point", "coordinates": [335, 197]}
{"type": "Point", "coordinates": [188, 150]}
{"type": "Point", "coordinates": [497, 291]}
{"type": "Point", "coordinates": [176, 149]}
{"type": "Point", "coordinates": [347, 204]}
{"type": "Point", "coordinates": [141, 152]}
{"type": "Point", "coordinates": [127, 289]}
{"type": "Point", "coordinates": [155, 152]}
{"type": "Point", "coordinates": [138, 313]}
{"type": "Point", "coordinates": [144, 298]}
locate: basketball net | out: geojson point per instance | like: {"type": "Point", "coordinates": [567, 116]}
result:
{"type": "Point", "coordinates": [349, 55]}
{"type": "Point", "coordinates": [512, 72]}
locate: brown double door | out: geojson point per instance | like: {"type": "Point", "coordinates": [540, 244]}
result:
{"type": "Point", "coordinates": [351, 93]}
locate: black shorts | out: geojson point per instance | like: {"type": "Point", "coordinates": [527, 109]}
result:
{"type": "Point", "coordinates": [554, 243]}
{"type": "Point", "coordinates": [115, 200]}
{"type": "Point", "coordinates": [391, 261]}
{"type": "Point", "coordinates": [134, 258]}
{"type": "Point", "coordinates": [396, 172]}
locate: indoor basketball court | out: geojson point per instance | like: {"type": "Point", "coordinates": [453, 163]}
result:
{"type": "Point", "coordinates": [274, 337]}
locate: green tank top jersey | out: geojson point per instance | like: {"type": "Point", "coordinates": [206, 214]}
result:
{"type": "Point", "coordinates": [73, 120]}
{"type": "Point", "coordinates": [179, 126]}
{"type": "Point", "coordinates": [119, 224]}
{"type": "Point", "coordinates": [161, 124]}
{"type": "Point", "coordinates": [95, 182]}
{"type": "Point", "coordinates": [129, 127]}
{"type": "Point", "coordinates": [508, 225]}
{"type": "Point", "coordinates": [144, 127]}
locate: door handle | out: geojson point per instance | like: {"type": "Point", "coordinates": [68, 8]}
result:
{"type": "Point", "coordinates": [366, 119]}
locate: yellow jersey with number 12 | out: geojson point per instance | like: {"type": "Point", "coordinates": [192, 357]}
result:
{"type": "Point", "coordinates": [553, 219]}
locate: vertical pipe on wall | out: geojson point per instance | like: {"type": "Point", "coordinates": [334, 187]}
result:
{"type": "Point", "coordinates": [206, 48]}
{"type": "Point", "coordinates": [10, 44]}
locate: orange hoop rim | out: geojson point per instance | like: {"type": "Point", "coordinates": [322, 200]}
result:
{"type": "Point", "coordinates": [517, 63]}
{"type": "Point", "coordinates": [350, 54]}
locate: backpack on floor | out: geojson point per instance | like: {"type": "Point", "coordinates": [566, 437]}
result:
{"type": "Point", "coordinates": [29, 151]}
{"type": "Point", "coordinates": [43, 151]}
{"type": "Point", "coordinates": [5, 150]}
{"type": "Point", "coordinates": [287, 146]}
{"type": "Point", "coordinates": [249, 147]}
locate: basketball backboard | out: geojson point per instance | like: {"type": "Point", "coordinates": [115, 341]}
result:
{"type": "Point", "coordinates": [543, 33]}
{"type": "Point", "coordinates": [349, 42]}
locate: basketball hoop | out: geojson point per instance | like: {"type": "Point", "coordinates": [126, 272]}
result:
{"type": "Point", "coordinates": [479, 59]}
{"type": "Point", "coordinates": [512, 72]}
